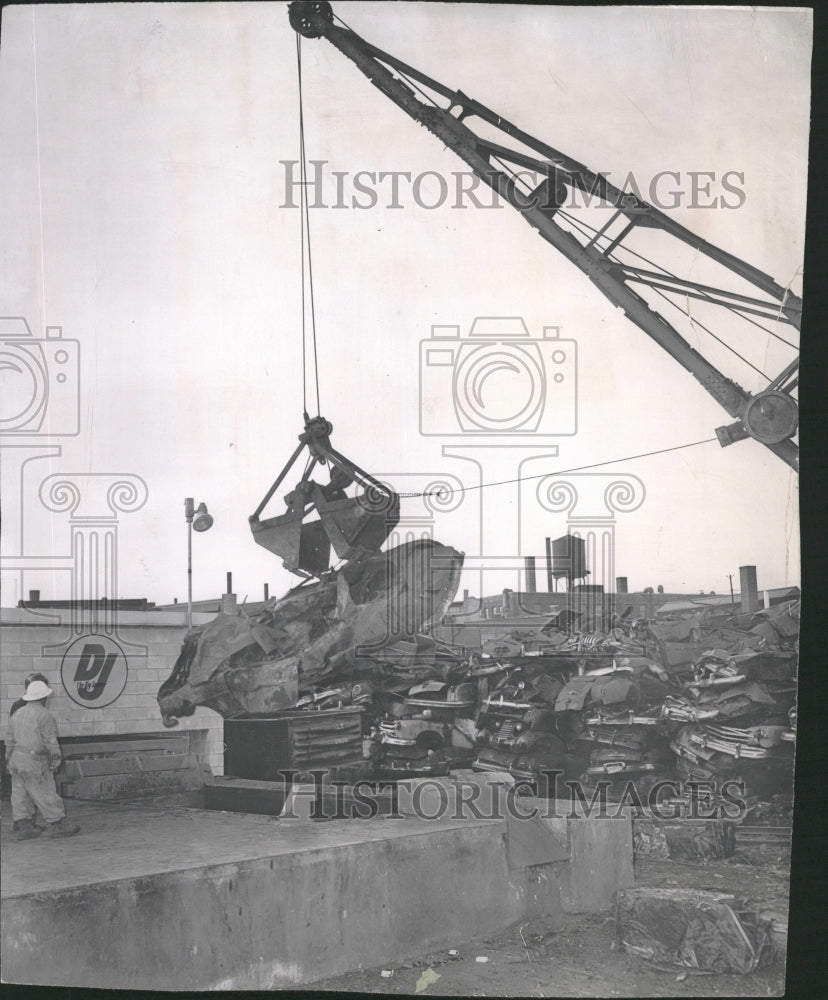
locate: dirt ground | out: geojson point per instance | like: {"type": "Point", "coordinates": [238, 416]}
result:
{"type": "Point", "coordinates": [578, 959]}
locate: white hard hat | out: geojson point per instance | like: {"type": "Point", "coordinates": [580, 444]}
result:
{"type": "Point", "coordinates": [37, 690]}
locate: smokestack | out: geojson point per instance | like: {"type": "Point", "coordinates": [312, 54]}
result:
{"type": "Point", "coordinates": [550, 579]}
{"type": "Point", "coordinates": [750, 591]}
{"type": "Point", "coordinates": [531, 580]}
{"type": "Point", "coordinates": [228, 604]}
{"type": "Point", "coordinates": [510, 603]}
{"type": "Point", "coordinates": [34, 597]}
{"type": "Point", "coordinates": [621, 585]}
{"type": "Point", "coordinates": [267, 591]}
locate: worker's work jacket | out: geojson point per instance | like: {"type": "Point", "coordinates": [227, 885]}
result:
{"type": "Point", "coordinates": [32, 736]}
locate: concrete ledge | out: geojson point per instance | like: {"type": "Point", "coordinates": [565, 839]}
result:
{"type": "Point", "coordinates": [285, 903]}
{"type": "Point", "coordinates": [268, 923]}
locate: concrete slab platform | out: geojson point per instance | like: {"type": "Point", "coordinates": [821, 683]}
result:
{"type": "Point", "coordinates": [132, 841]}
{"type": "Point", "coordinates": [166, 898]}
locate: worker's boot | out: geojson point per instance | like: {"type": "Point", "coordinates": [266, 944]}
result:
{"type": "Point", "coordinates": [63, 828]}
{"type": "Point", "coordinates": [26, 830]}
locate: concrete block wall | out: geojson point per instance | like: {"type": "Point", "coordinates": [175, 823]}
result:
{"type": "Point", "coordinates": [151, 642]}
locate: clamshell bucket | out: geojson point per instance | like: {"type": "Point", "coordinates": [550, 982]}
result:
{"type": "Point", "coordinates": [348, 525]}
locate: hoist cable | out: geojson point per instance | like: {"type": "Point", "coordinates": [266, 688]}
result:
{"type": "Point", "coordinates": [305, 241]}
{"type": "Point", "coordinates": [447, 491]}
{"type": "Point", "coordinates": [584, 228]}
{"type": "Point", "coordinates": [733, 307]}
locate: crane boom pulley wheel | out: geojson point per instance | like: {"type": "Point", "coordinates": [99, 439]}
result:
{"type": "Point", "coordinates": [309, 17]}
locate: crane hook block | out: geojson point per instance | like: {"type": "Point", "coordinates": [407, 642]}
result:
{"type": "Point", "coordinates": [310, 18]}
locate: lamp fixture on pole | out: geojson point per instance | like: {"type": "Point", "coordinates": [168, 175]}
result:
{"type": "Point", "coordinates": [200, 520]}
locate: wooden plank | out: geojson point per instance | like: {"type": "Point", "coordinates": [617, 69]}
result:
{"type": "Point", "coordinates": [115, 786]}
{"type": "Point", "coordinates": [127, 763]}
{"type": "Point", "coordinates": [222, 781]}
{"type": "Point", "coordinates": [178, 742]}
{"type": "Point", "coordinates": [170, 762]}
{"type": "Point", "coordinates": [106, 765]}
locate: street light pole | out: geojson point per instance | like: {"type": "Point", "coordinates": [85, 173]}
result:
{"type": "Point", "coordinates": [189, 510]}
{"type": "Point", "coordinates": [201, 521]}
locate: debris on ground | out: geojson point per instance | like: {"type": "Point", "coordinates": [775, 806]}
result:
{"type": "Point", "coordinates": [573, 954]}
{"type": "Point", "coordinates": [428, 978]}
{"type": "Point", "coordinates": [702, 930]}
{"type": "Point", "coordinates": [684, 839]}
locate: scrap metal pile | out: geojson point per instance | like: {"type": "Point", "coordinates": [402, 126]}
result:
{"type": "Point", "coordinates": [673, 699]}
{"type": "Point", "coordinates": [321, 635]}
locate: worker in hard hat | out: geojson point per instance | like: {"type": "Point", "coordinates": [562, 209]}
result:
{"type": "Point", "coordinates": [34, 756]}
{"type": "Point", "coordinates": [27, 680]}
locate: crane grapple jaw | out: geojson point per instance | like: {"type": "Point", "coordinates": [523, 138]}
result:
{"type": "Point", "coordinates": [310, 18]}
{"type": "Point", "coordinates": [350, 527]}
{"type": "Point", "coordinates": [304, 548]}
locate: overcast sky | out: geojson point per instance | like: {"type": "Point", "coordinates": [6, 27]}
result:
{"type": "Point", "coordinates": [147, 211]}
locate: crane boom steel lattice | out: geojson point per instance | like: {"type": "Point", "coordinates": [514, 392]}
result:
{"type": "Point", "coordinates": [604, 254]}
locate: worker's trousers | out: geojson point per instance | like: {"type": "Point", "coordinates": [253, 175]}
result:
{"type": "Point", "coordinates": [33, 787]}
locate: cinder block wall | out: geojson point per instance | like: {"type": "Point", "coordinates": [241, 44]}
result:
{"type": "Point", "coordinates": [151, 642]}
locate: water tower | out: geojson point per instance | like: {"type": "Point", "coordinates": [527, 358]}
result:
{"type": "Point", "coordinates": [566, 559]}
